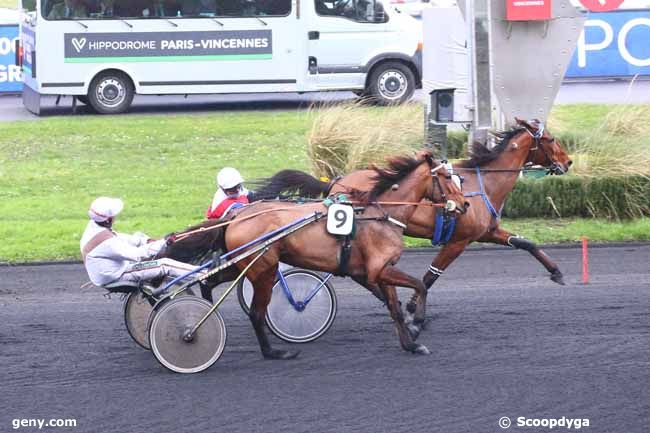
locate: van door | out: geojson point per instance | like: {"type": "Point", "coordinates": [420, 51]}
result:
{"type": "Point", "coordinates": [343, 35]}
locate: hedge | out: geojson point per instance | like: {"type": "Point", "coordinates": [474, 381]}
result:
{"type": "Point", "coordinates": [567, 196]}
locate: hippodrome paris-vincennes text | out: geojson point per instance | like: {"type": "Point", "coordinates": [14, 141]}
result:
{"type": "Point", "coordinates": [180, 44]}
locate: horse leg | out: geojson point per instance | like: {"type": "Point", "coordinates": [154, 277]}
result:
{"type": "Point", "coordinates": [206, 292]}
{"type": "Point", "coordinates": [263, 286]}
{"type": "Point", "coordinates": [206, 287]}
{"type": "Point", "coordinates": [405, 337]}
{"type": "Point", "coordinates": [373, 288]}
{"type": "Point", "coordinates": [392, 276]}
{"type": "Point", "coordinates": [413, 329]}
{"type": "Point", "coordinates": [445, 257]}
{"type": "Point", "coordinates": [503, 237]}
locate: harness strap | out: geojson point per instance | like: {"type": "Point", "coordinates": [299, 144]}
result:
{"type": "Point", "coordinates": [346, 252]}
{"type": "Point", "coordinates": [483, 195]}
{"type": "Point", "coordinates": [94, 242]}
{"type": "Point", "coordinates": [183, 235]}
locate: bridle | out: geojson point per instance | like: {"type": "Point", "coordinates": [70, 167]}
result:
{"type": "Point", "coordinates": [435, 180]}
{"type": "Point", "coordinates": [450, 205]}
{"type": "Point", "coordinates": [537, 136]}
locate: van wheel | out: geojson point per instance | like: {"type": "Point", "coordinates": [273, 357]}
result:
{"type": "Point", "coordinates": [111, 92]}
{"type": "Point", "coordinates": [391, 83]}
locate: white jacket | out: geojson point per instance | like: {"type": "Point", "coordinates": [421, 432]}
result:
{"type": "Point", "coordinates": [107, 262]}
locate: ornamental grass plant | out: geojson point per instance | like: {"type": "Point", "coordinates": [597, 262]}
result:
{"type": "Point", "coordinates": [347, 137]}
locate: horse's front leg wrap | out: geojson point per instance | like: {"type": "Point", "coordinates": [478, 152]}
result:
{"type": "Point", "coordinates": [431, 276]}
{"type": "Point", "coordinates": [526, 245]}
{"type": "Point", "coordinates": [521, 243]}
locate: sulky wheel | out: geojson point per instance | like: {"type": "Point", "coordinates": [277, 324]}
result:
{"type": "Point", "coordinates": [169, 335]}
{"type": "Point", "coordinates": [296, 322]}
{"type": "Point", "coordinates": [245, 294]}
{"type": "Point", "coordinates": [137, 309]}
{"type": "Point", "coordinates": [310, 315]}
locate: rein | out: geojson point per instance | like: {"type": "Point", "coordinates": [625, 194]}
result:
{"type": "Point", "coordinates": [184, 235]}
{"type": "Point", "coordinates": [503, 170]}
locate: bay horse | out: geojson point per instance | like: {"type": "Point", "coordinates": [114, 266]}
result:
{"type": "Point", "coordinates": [375, 249]}
{"type": "Point", "coordinates": [489, 175]}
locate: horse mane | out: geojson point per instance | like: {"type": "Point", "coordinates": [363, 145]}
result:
{"type": "Point", "coordinates": [397, 168]}
{"type": "Point", "coordinates": [481, 154]}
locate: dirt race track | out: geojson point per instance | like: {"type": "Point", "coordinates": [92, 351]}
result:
{"type": "Point", "coordinates": [505, 341]}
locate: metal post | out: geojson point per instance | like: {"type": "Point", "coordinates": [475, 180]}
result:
{"type": "Point", "coordinates": [478, 40]}
{"type": "Point", "coordinates": [436, 134]}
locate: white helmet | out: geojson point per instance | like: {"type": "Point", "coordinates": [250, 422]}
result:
{"type": "Point", "coordinates": [103, 208]}
{"type": "Point", "coordinates": [229, 177]}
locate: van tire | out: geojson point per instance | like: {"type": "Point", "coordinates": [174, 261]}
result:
{"type": "Point", "coordinates": [391, 83]}
{"type": "Point", "coordinates": [111, 92]}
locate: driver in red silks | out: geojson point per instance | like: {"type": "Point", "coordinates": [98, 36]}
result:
{"type": "Point", "coordinates": [230, 194]}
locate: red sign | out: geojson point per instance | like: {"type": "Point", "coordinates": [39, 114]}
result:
{"type": "Point", "coordinates": [529, 10]}
{"type": "Point", "coordinates": [601, 5]}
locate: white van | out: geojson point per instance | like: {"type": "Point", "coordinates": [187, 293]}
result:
{"type": "Point", "coordinates": [105, 51]}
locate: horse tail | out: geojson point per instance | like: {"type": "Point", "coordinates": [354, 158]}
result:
{"type": "Point", "coordinates": [198, 247]}
{"type": "Point", "coordinates": [288, 183]}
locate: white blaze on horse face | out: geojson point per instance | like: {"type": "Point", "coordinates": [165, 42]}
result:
{"type": "Point", "coordinates": [515, 146]}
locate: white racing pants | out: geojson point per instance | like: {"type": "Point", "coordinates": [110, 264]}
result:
{"type": "Point", "coordinates": [147, 271]}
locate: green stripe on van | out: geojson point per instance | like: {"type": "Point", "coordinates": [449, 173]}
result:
{"type": "Point", "coordinates": [168, 58]}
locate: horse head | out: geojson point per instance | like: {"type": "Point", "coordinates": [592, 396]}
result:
{"type": "Point", "coordinates": [545, 150]}
{"type": "Point", "coordinates": [442, 188]}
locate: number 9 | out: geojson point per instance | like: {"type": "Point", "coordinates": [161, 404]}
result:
{"type": "Point", "coordinates": [341, 217]}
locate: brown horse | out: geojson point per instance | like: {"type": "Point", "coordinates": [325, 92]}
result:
{"type": "Point", "coordinates": [375, 250]}
{"type": "Point", "coordinates": [496, 169]}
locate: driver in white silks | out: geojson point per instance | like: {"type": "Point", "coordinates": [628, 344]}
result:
{"type": "Point", "coordinates": [112, 257]}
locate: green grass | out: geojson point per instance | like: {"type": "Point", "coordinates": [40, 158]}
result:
{"type": "Point", "coordinates": [550, 231]}
{"type": "Point", "coordinates": [163, 167]}
{"type": "Point", "coordinates": [578, 117]}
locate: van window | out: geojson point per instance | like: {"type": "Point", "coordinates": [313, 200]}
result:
{"type": "Point", "coordinates": [28, 5]}
{"type": "Point", "coordinates": [131, 9]}
{"type": "Point", "coordinates": [363, 11]}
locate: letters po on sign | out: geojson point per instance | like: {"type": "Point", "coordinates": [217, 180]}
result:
{"type": "Point", "coordinates": [601, 5]}
{"type": "Point", "coordinates": [340, 219]}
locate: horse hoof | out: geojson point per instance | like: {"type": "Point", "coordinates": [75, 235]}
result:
{"type": "Point", "coordinates": [280, 354]}
{"type": "Point", "coordinates": [410, 307]}
{"type": "Point", "coordinates": [558, 277]}
{"type": "Point", "coordinates": [414, 330]}
{"type": "Point", "coordinates": [421, 349]}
